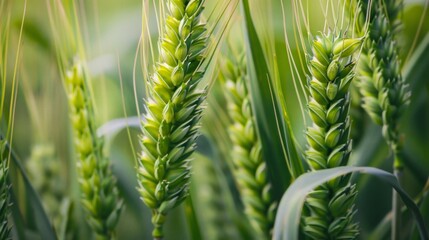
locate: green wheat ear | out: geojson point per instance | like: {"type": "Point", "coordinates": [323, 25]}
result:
{"type": "Point", "coordinates": [331, 206]}
{"type": "Point", "coordinates": [249, 166]}
{"type": "Point", "coordinates": [173, 111]}
{"type": "Point", "coordinates": [100, 196]}
{"type": "Point", "coordinates": [385, 94]}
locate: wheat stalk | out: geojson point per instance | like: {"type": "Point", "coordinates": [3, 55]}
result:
{"type": "Point", "coordinates": [100, 195]}
{"type": "Point", "coordinates": [331, 206]}
{"type": "Point", "coordinates": [173, 111]}
{"type": "Point", "coordinates": [249, 166]}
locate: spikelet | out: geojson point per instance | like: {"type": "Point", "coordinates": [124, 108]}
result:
{"type": "Point", "coordinates": [331, 206]}
{"type": "Point", "coordinates": [99, 194]}
{"type": "Point", "coordinates": [249, 166]}
{"type": "Point", "coordinates": [173, 111]}
{"type": "Point", "coordinates": [384, 92]}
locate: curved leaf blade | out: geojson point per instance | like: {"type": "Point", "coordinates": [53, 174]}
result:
{"type": "Point", "coordinates": [114, 126]}
{"type": "Point", "coordinates": [289, 213]}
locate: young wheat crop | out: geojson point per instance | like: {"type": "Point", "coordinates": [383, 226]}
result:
{"type": "Point", "coordinates": [277, 159]}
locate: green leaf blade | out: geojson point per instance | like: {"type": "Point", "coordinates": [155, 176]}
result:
{"type": "Point", "coordinates": [279, 150]}
{"type": "Point", "coordinates": [288, 215]}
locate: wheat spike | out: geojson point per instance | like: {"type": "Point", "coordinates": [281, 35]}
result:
{"type": "Point", "coordinates": [384, 92]}
{"type": "Point", "coordinates": [100, 196]}
{"type": "Point", "coordinates": [249, 166]}
{"type": "Point", "coordinates": [331, 206]}
{"type": "Point", "coordinates": [173, 111]}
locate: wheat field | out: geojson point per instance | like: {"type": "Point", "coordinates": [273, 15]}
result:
{"type": "Point", "coordinates": [228, 119]}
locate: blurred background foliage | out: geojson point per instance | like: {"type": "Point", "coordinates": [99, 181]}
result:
{"type": "Point", "coordinates": [111, 31]}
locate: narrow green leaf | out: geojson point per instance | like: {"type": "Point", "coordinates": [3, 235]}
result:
{"type": "Point", "coordinates": [18, 220]}
{"type": "Point", "coordinates": [41, 219]}
{"type": "Point", "coordinates": [276, 138]}
{"type": "Point", "coordinates": [289, 213]}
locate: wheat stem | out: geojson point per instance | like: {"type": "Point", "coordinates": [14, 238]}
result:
{"type": "Point", "coordinates": [100, 196]}
{"type": "Point", "coordinates": [331, 206]}
{"type": "Point", "coordinates": [173, 111]}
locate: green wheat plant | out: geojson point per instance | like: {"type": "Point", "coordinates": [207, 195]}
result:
{"type": "Point", "coordinates": [100, 196]}
{"type": "Point", "coordinates": [332, 204]}
{"type": "Point", "coordinates": [249, 166]}
{"type": "Point", "coordinates": [173, 111]}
